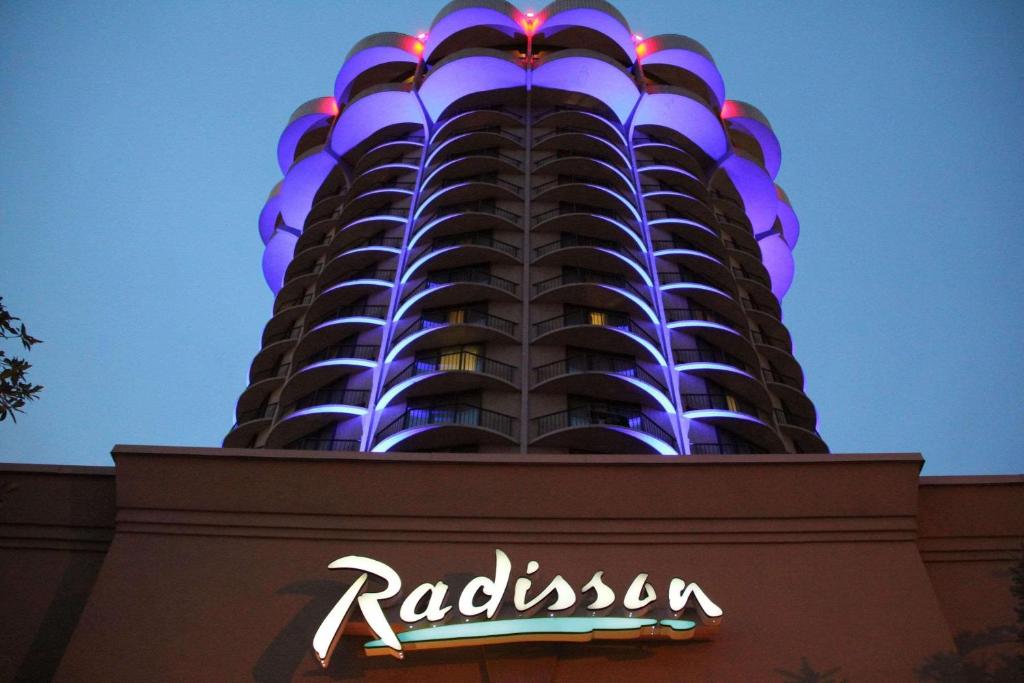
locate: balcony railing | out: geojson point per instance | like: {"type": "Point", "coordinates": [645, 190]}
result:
{"type": "Point", "coordinates": [723, 402]}
{"type": "Point", "coordinates": [488, 179]}
{"type": "Point", "coordinates": [378, 240]}
{"type": "Point", "coordinates": [784, 417]}
{"type": "Point", "coordinates": [562, 180]}
{"type": "Point", "coordinates": [588, 416]}
{"type": "Point", "coordinates": [450, 414]}
{"type": "Point", "coordinates": [568, 154]}
{"type": "Point", "coordinates": [562, 130]}
{"type": "Point", "coordinates": [586, 276]}
{"type": "Point", "coordinates": [496, 129]}
{"type": "Point", "coordinates": [455, 361]}
{"type": "Point", "coordinates": [752, 305]}
{"type": "Point", "coordinates": [300, 300]}
{"type": "Point", "coordinates": [710, 356]}
{"type": "Point", "coordinates": [433, 320]}
{"type": "Point", "coordinates": [475, 239]}
{"type": "Point", "coordinates": [772, 375]}
{"type": "Point", "coordinates": [324, 444]}
{"type": "Point", "coordinates": [700, 314]}
{"type": "Point", "coordinates": [596, 318]}
{"type": "Point", "coordinates": [379, 211]}
{"type": "Point", "coordinates": [271, 373]}
{"type": "Point", "coordinates": [483, 206]}
{"type": "Point", "coordinates": [323, 397]}
{"type": "Point", "coordinates": [480, 277]}
{"type": "Point", "coordinates": [384, 274]}
{"type": "Point", "coordinates": [715, 448]}
{"type": "Point", "coordinates": [490, 153]}
{"type": "Point", "coordinates": [281, 336]}
{"type": "Point", "coordinates": [569, 208]}
{"type": "Point", "coordinates": [357, 310]}
{"type": "Point", "coordinates": [731, 243]}
{"type": "Point", "coordinates": [360, 351]}
{"type": "Point", "coordinates": [574, 240]}
{"type": "Point", "coordinates": [262, 413]}
{"type": "Point", "coordinates": [747, 275]}
{"type": "Point", "coordinates": [768, 340]}
{"type": "Point", "coordinates": [684, 275]}
{"type": "Point", "coordinates": [575, 365]}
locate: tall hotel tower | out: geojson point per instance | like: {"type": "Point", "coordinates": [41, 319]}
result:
{"type": "Point", "coordinates": [530, 232]}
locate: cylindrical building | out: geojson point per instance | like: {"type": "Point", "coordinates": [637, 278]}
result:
{"type": "Point", "coordinates": [528, 232]}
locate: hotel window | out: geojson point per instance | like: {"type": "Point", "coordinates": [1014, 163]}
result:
{"type": "Point", "coordinates": [463, 357]}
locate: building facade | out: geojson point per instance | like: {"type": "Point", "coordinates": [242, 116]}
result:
{"type": "Point", "coordinates": [528, 232]}
{"type": "Point", "coordinates": [498, 248]}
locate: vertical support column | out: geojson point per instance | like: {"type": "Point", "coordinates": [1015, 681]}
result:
{"type": "Point", "coordinates": [372, 419]}
{"type": "Point", "coordinates": [664, 333]}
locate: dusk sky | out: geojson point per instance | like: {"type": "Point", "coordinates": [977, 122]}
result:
{"type": "Point", "coordinates": [138, 144]}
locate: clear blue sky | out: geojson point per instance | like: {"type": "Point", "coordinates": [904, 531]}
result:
{"type": "Point", "coordinates": [138, 145]}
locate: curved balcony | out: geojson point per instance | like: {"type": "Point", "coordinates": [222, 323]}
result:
{"type": "Point", "coordinates": [336, 326]}
{"type": "Point", "coordinates": [716, 330]}
{"type": "Point", "coordinates": [375, 201]}
{"type": "Point", "coordinates": [567, 119]}
{"type": "Point", "coordinates": [675, 222]}
{"type": "Point", "coordinates": [735, 414]}
{"type": "Point", "coordinates": [684, 280]}
{"type": "Point", "coordinates": [458, 287]}
{"type": "Point", "coordinates": [586, 190]}
{"type": "Point", "coordinates": [463, 217]}
{"type": "Point", "coordinates": [696, 291]}
{"type": "Point", "coordinates": [598, 170]}
{"type": "Point", "coordinates": [588, 375]}
{"type": "Point", "coordinates": [725, 369]}
{"type": "Point", "coordinates": [362, 255]}
{"type": "Point", "coordinates": [295, 297]}
{"type": "Point", "coordinates": [576, 286]}
{"type": "Point", "coordinates": [802, 430]}
{"type": "Point", "coordinates": [472, 188]}
{"type": "Point", "coordinates": [600, 331]}
{"type": "Point", "coordinates": [675, 204]}
{"type": "Point", "coordinates": [678, 153]}
{"type": "Point", "coordinates": [702, 266]}
{"type": "Point", "coordinates": [656, 178]}
{"type": "Point", "coordinates": [475, 118]}
{"type": "Point", "coordinates": [349, 289]}
{"type": "Point", "coordinates": [687, 241]}
{"type": "Point", "coordinates": [328, 365]}
{"type": "Point", "coordinates": [444, 424]}
{"type": "Point", "coordinates": [458, 326]}
{"type": "Point", "coordinates": [370, 223]}
{"type": "Point", "coordinates": [446, 135]}
{"type": "Point", "coordinates": [578, 142]}
{"type": "Point", "coordinates": [474, 143]}
{"type": "Point", "coordinates": [451, 251]}
{"type": "Point", "coordinates": [595, 221]}
{"type": "Point", "coordinates": [399, 172]}
{"type": "Point", "coordinates": [723, 448]}
{"type": "Point", "coordinates": [316, 443]}
{"type": "Point", "coordinates": [445, 372]}
{"type": "Point", "coordinates": [257, 395]}
{"type": "Point", "coordinates": [577, 250]}
{"type": "Point", "coordinates": [250, 423]}
{"type": "Point", "coordinates": [476, 161]}
{"type": "Point", "coordinates": [390, 151]}
{"type": "Point", "coordinates": [315, 410]}
{"type": "Point", "coordinates": [595, 429]}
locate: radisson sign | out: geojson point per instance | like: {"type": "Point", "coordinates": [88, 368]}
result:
{"type": "Point", "coordinates": [428, 621]}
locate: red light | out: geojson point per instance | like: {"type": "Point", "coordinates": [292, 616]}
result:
{"type": "Point", "coordinates": [529, 15]}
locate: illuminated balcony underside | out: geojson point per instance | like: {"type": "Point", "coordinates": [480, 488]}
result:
{"type": "Point", "coordinates": [748, 426]}
{"type": "Point", "coordinates": [603, 438]}
{"type": "Point", "coordinates": [608, 385]}
{"type": "Point", "coordinates": [443, 381]}
{"type": "Point", "coordinates": [602, 338]}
